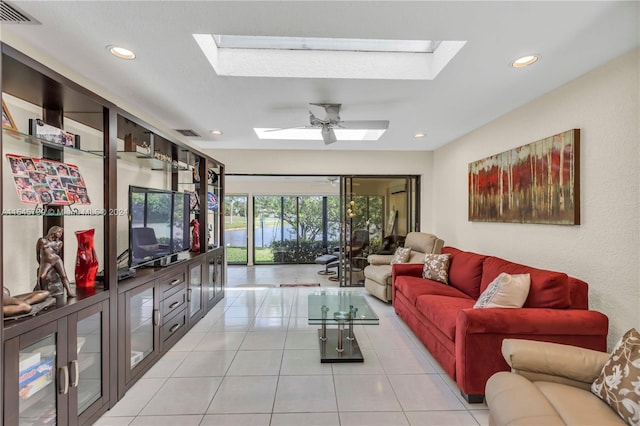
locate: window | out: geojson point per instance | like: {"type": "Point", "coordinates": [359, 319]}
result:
{"type": "Point", "coordinates": [236, 228]}
{"type": "Point", "coordinates": [294, 229]}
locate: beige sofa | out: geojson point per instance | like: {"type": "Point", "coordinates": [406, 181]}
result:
{"type": "Point", "coordinates": [377, 274]}
{"type": "Point", "coordinates": [549, 384]}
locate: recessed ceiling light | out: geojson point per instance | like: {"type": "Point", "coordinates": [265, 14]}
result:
{"type": "Point", "coordinates": [419, 135]}
{"type": "Point", "coordinates": [121, 52]}
{"type": "Point", "coordinates": [525, 61]}
{"type": "Point", "coordinates": [216, 132]}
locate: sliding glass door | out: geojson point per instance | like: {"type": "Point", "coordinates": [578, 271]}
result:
{"type": "Point", "coordinates": [236, 226]}
{"type": "Point", "coordinates": [376, 214]}
{"type": "Point", "coordinates": [294, 229]}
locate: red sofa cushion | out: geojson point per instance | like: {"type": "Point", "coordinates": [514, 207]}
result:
{"type": "Point", "coordinates": [579, 292]}
{"type": "Point", "coordinates": [548, 289]}
{"type": "Point", "coordinates": [465, 270]}
{"type": "Point", "coordinates": [413, 287]}
{"type": "Point", "coordinates": [442, 310]}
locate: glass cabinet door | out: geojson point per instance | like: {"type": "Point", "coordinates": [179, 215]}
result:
{"type": "Point", "coordinates": [195, 290]}
{"type": "Point", "coordinates": [37, 396]}
{"type": "Point", "coordinates": [87, 370]}
{"type": "Point", "coordinates": [219, 281]}
{"type": "Point", "coordinates": [210, 283]}
{"type": "Point", "coordinates": [142, 324]}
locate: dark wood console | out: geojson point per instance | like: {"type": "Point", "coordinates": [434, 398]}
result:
{"type": "Point", "coordinates": [72, 362]}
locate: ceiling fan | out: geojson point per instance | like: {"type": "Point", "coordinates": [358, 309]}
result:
{"type": "Point", "coordinates": [326, 117]}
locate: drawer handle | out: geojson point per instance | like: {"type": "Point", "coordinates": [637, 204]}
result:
{"type": "Point", "coordinates": [74, 373]}
{"type": "Point", "coordinates": [174, 304]}
{"type": "Point", "coordinates": [176, 281]}
{"type": "Point", "coordinates": [174, 328]}
{"type": "Point", "coordinates": [63, 380]}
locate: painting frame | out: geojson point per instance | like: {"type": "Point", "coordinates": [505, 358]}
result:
{"type": "Point", "coordinates": [537, 183]}
{"type": "Point", "coordinates": [7, 119]}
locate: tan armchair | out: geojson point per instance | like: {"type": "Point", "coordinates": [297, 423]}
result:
{"type": "Point", "coordinates": [377, 274]}
{"type": "Point", "coordinates": [549, 384]}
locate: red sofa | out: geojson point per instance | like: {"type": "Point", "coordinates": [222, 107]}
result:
{"type": "Point", "coordinates": [466, 341]}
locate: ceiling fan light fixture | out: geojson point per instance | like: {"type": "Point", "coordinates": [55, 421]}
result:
{"type": "Point", "coordinates": [121, 52]}
{"type": "Point", "coordinates": [525, 61]}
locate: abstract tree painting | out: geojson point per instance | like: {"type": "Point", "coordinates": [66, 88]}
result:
{"type": "Point", "coordinates": [535, 183]}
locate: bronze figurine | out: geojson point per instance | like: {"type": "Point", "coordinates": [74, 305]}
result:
{"type": "Point", "coordinates": [51, 273]}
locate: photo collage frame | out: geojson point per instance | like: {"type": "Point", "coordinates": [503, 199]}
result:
{"type": "Point", "coordinates": [47, 182]}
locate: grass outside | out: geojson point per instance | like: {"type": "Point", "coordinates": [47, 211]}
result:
{"type": "Point", "coordinates": [239, 222]}
{"type": "Point", "coordinates": [239, 255]}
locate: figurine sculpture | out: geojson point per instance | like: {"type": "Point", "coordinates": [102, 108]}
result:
{"type": "Point", "coordinates": [195, 235]}
{"type": "Point", "coordinates": [51, 273]}
{"type": "Point", "coordinates": [22, 303]}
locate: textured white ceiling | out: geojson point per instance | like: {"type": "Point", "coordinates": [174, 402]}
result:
{"type": "Point", "coordinates": [173, 82]}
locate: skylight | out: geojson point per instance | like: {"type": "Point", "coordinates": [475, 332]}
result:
{"type": "Point", "coordinates": [301, 57]}
{"type": "Point", "coordinates": [314, 134]}
{"type": "Point", "coordinates": [321, 43]}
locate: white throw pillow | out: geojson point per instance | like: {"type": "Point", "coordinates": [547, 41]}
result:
{"type": "Point", "coordinates": [506, 291]}
{"type": "Point", "coordinates": [401, 255]}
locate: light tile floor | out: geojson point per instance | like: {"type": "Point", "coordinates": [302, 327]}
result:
{"type": "Point", "coordinates": [253, 360]}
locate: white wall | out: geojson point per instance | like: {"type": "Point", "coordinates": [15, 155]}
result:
{"type": "Point", "coordinates": [604, 250]}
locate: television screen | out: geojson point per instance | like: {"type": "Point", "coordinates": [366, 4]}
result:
{"type": "Point", "coordinates": [158, 224]}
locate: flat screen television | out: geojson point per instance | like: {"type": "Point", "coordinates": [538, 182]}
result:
{"type": "Point", "coordinates": [158, 224]}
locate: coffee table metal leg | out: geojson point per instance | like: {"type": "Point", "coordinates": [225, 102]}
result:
{"type": "Point", "coordinates": [323, 336]}
{"type": "Point", "coordinates": [352, 314]}
{"type": "Point", "coordinates": [340, 333]}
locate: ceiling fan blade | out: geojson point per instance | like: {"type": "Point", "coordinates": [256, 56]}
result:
{"type": "Point", "coordinates": [364, 124]}
{"type": "Point", "coordinates": [325, 112]}
{"type": "Point", "coordinates": [287, 128]}
{"type": "Point", "coordinates": [328, 135]}
{"type": "Point", "coordinates": [318, 111]}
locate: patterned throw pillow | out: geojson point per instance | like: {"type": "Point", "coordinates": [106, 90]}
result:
{"type": "Point", "coordinates": [619, 382]}
{"type": "Point", "coordinates": [401, 255]}
{"type": "Point", "coordinates": [436, 267]}
{"type": "Point", "coordinates": [506, 291]}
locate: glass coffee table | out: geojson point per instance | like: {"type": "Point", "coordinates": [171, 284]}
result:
{"type": "Point", "coordinates": [343, 309]}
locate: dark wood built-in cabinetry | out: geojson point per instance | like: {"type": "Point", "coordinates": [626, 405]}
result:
{"type": "Point", "coordinates": [73, 361]}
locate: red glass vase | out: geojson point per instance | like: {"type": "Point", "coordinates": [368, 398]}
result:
{"type": "Point", "coordinates": [86, 260]}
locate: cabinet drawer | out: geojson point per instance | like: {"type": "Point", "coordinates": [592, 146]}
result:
{"type": "Point", "coordinates": [174, 303]}
{"type": "Point", "coordinates": [172, 283]}
{"type": "Point", "coordinates": [173, 326]}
